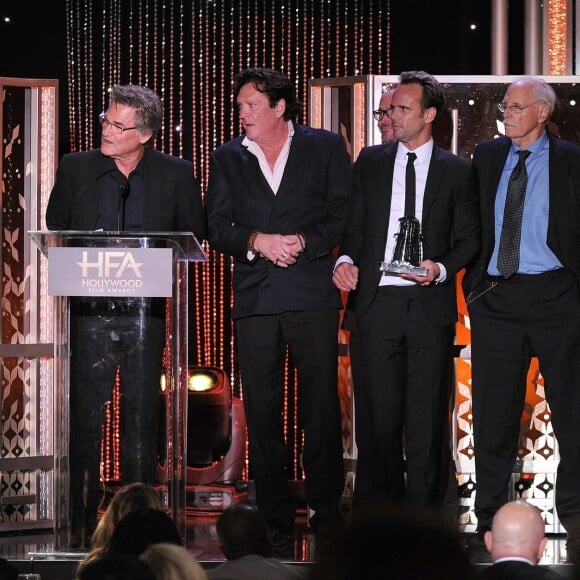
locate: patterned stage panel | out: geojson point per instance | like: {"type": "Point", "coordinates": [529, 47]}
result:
{"type": "Point", "coordinates": [28, 112]}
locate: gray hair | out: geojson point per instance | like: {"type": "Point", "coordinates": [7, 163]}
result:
{"type": "Point", "coordinates": [544, 92]}
{"type": "Point", "coordinates": [147, 104]}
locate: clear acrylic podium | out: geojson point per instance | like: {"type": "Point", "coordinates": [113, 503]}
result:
{"type": "Point", "coordinates": [121, 266]}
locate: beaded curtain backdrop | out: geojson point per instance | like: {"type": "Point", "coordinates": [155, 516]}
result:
{"type": "Point", "coordinates": [188, 52]}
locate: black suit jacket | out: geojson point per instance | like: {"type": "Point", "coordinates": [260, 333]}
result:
{"type": "Point", "coordinates": [450, 225]}
{"type": "Point", "coordinates": [564, 214]}
{"type": "Point", "coordinates": [172, 196]}
{"type": "Point", "coordinates": [515, 569]}
{"type": "Point", "coordinates": [312, 198]}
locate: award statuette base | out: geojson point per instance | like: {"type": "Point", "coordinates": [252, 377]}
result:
{"type": "Point", "coordinates": [399, 268]}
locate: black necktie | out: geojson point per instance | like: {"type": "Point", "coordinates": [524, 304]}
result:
{"type": "Point", "coordinates": [410, 185]}
{"type": "Point", "coordinates": [508, 258]}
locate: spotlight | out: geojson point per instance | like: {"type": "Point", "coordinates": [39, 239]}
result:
{"type": "Point", "coordinates": [216, 441]}
{"type": "Point", "coordinates": [209, 425]}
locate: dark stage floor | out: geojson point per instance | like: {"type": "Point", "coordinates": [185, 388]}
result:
{"type": "Point", "coordinates": [35, 553]}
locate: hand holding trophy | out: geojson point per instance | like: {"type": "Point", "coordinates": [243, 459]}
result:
{"type": "Point", "coordinates": [407, 253]}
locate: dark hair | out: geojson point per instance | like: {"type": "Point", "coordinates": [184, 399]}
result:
{"type": "Point", "coordinates": [141, 528]}
{"type": "Point", "coordinates": [433, 94]}
{"type": "Point", "coordinates": [394, 542]}
{"type": "Point", "coordinates": [242, 530]}
{"type": "Point", "coordinates": [130, 497]}
{"type": "Point", "coordinates": [7, 571]}
{"type": "Point", "coordinates": [113, 566]}
{"type": "Point", "coordinates": [147, 105]}
{"type": "Point", "coordinates": [274, 84]}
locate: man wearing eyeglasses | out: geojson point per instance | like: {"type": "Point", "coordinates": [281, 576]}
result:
{"type": "Point", "coordinates": [405, 324]}
{"type": "Point", "coordinates": [381, 115]}
{"type": "Point", "coordinates": [125, 185]}
{"type": "Point", "coordinates": [524, 298]}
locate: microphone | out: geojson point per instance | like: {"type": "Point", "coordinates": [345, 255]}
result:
{"type": "Point", "coordinates": [124, 191]}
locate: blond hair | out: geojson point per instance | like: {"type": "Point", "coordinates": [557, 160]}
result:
{"type": "Point", "coordinates": [127, 499]}
{"type": "Point", "coordinates": [172, 562]}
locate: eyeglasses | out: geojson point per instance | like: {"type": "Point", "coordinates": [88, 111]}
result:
{"type": "Point", "coordinates": [380, 113]}
{"type": "Point", "coordinates": [514, 109]}
{"type": "Point", "coordinates": [114, 127]}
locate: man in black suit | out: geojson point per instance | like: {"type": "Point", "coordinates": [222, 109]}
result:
{"type": "Point", "coordinates": [531, 308]}
{"type": "Point", "coordinates": [406, 323]}
{"type": "Point", "coordinates": [516, 543]}
{"type": "Point", "coordinates": [276, 201]}
{"type": "Point", "coordinates": [124, 186]}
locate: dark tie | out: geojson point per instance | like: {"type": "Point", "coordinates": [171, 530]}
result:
{"type": "Point", "coordinates": [508, 258]}
{"type": "Point", "coordinates": [410, 185]}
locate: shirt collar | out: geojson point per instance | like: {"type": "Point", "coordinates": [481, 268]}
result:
{"type": "Point", "coordinates": [108, 165]}
{"type": "Point", "coordinates": [423, 153]}
{"type": "Point", "coordinates": [539, 144]}
{"type": "Point", "coordinates": [248, 142]}
{"type": "Point", "coordinates": [514, 559]}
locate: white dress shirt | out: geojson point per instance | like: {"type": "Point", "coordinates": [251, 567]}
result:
{"type": "Point", "coordinates": [398, 207]}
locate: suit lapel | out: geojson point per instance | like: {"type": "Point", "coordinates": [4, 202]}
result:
{"type": "Point", "coordinates": [557, 181]}
{"type": "Point", "coordinates": [153, 185]}
{"type": "Point", "coordinates": [384, 191]}
{"type": "Point", "coordinates": [92, 193]}
{"type": "Point", "coordinates": [434, 177]}
{"type": "Point", "coordinates": [492, 179]}
{"type": "Point", "coordinates": [297, 163]}
{"type": "Point", "coordinates": [253, 173]}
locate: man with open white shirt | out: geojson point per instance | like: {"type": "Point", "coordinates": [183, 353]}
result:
{"type": "Point", "coordinates": [277, 201]}
{"type": "Point", "coordinates": [405, 323]}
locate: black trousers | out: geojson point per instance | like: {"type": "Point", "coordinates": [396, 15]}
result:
{"type": "Point", "coordinates": [516, 319]}
{"type": "Point", "coordinates": [312, 338]}
{"type": "Point", "coordinates": [405, 389]}
{"type": "Point", "coordinates": [100, 342]}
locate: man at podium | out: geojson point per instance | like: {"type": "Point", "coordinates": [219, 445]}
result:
{"type": "Point", "coordinates": [125, 185]}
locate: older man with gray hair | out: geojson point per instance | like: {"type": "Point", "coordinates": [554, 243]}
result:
{"type": "Point", "coordinates": [125, 185]}
{"type": "Point", "coordinates": [524, 296]}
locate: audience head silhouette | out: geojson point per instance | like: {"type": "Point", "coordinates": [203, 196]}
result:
{"type": "Point", "coordinates": [7, 571]}
{"type": "Point", "coordinates": [388, 542]}
{"type": "Point", "coordinates": [127, 499]}
{"type": "Point", "coordinates": [114, 566]}
{"type": "Point", "coordinates": [140, 529]}
{"type": "Point", "coordinates": [242, 530]}
{"type": "Point", "coordinates": [517, 531]}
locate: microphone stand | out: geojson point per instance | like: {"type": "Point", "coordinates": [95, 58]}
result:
{"type": "Point", "coordinates": [123, 195]}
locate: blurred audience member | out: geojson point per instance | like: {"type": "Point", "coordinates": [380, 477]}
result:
{"type": "Point", "coordinates": [246, 543]}
{"type": "Point", "coordinates": [388, 542]}
{"type": "Point", "coordinates": [114, 566]}
{"type": "Point", "coordinates": [140, 529]}
{"type": "Point", "coordinates": [129, 498]}
{"type": "Point", "coordinates": [7, 571]}
{"type": "Point", "coordinates": [516, 543]}
{"type": "Point", "coordinates": [171, 562]}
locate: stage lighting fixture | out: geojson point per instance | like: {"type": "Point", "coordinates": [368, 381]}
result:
{"type": "Point", "coordinates": [209, 425]}
{"type": "Point", "coordinates": [216, 441]}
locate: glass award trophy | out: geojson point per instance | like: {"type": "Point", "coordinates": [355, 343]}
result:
{"type": "Point", "coordinates": [407, 253]}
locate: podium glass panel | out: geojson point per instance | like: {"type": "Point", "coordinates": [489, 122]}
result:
{"type": "Point", "coordinates": [118, 325]}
